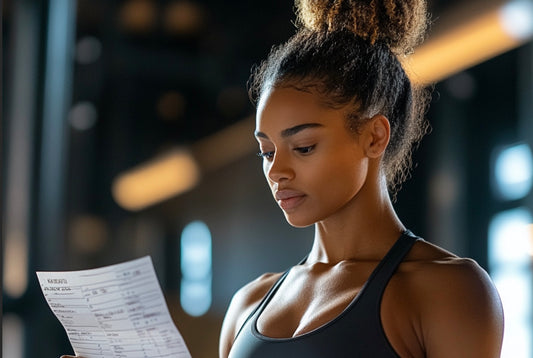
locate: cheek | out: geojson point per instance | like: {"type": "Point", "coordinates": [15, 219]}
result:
{"type": "Point", "coordinates": [360, 172]}
{"type": "Point", "coordinates": [345, 178]}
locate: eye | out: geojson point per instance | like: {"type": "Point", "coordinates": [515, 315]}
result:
{"type": "Point", "coordinates": [266, 155]}
{"type": "Point", "coordinates": [305, 150]}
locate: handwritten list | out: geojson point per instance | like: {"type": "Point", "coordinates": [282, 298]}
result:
{"type": "Point", "coordinates": [114, 311]}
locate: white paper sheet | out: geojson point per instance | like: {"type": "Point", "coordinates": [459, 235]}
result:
{"type": "Point", "coordinates": [114, 311]}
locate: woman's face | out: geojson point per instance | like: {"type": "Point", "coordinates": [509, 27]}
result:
{"type": "Point", "coordinates": [313, 164]}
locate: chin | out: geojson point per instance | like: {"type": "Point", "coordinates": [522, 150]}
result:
{"type": "Point", "coordinates": [298, 222]}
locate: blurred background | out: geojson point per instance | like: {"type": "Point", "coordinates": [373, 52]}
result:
{"type": "Point", "coordinates": [127, 131]}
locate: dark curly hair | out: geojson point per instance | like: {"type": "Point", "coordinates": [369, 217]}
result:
{"type": "Point", "coordinates": [349, 52]}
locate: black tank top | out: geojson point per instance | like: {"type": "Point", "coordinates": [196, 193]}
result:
{"type": "Point", "coordinates": [356, 332]}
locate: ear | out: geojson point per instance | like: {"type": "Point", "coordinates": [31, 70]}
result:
{"type": "Point", "coordinates": [378, 136]}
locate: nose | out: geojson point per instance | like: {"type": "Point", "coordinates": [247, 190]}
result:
{"type": "Point", "coordinates": [279, 168]}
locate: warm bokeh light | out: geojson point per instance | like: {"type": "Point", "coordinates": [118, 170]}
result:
{"type": "Point", "coordinates": [183, 17]}
{"type": "Point", "coordinates": [157, 180]}
{"type": "Point", "coordinates": [179, 171]}
{"type": "Point", "coordinates": [138, 15]}
{"type": "Point", "coordinates": [16, 264]}
{"type": "Point", "coordinates": [478, 39]}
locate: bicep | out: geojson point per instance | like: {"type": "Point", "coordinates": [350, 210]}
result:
{"type": "Point", "coordinates": [228, 330]}
{"type": "Point", "coordinates": [240, 307]}
{"type": "Point", "coordinates": [464, 317]}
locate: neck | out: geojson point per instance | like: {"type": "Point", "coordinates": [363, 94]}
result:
{"type": "Point", "coordinates": [364, 229]}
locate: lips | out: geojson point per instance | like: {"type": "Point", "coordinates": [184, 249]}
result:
{"type": "Point", "coordinates": [289, 199]}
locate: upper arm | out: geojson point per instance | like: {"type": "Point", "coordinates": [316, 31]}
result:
{"type": "Point", "coordinates": [240, 307]}
{"type": "Point", "coordinates": [461, 314]}
{"type": "Point", "coordinates": [229, 325]}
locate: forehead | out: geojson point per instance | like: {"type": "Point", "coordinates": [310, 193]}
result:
{"type": "Point", "coordinates": [285, 107]}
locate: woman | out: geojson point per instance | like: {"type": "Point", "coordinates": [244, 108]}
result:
{"type": "Point", "coordinates": [336, 119]}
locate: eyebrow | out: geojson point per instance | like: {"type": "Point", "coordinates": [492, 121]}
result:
{"type": "Point", "coordinates": [292, 130]}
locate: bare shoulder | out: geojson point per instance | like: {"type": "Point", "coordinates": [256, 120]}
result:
{"type": "Point", "coordinates": [435, 269]}
{"type": "Point", "coordinates": [459, 307]}
{"type": "Point", "coordinates": [242, 304]}
{"type": "Point", "coordinates": [428, 261]}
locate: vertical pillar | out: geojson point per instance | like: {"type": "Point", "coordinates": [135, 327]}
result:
{"type": "Point", "coordinates": [50, 196]}
{"type": "Point", "coordinates": [44, 336]}
{"type": "Point", "coordinates": [19, 100]}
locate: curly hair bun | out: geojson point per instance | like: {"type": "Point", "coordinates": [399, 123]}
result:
{"type": "Point", "coordinates": [400, 24]}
